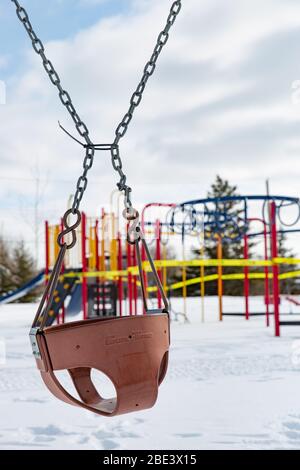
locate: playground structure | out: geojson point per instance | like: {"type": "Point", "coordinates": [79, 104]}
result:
{"type": "Point", "coordinates": [99, 250]}
{"type": "Point", "coordinates": [102, 273]}
{"type": "Point", "coordinates": [99, 278]}
{"type": "Point", "coordinates": [224, 227]}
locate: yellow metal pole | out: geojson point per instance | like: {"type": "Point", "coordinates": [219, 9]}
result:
{"type": "Point", "coordinates": [220, 281]}
{"type": "Point", "coordinates": [90, 243]}
{"type": "Point", "coordinates": [164, 271]}
{"type": "Point", "coordinates": [113, 244]}
{"type": "Point", "coordinates": [93, 250]}
{"type": "Point", "coordinates": [202, 269]}
{"type": "Point", "coordinates": [102, 257]}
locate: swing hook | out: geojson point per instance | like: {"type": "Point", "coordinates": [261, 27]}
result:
{"type": "Point", "coordinates": [134, 233]}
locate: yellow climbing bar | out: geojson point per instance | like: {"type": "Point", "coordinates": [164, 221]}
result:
{"type": "Point", "coordinates": [215, 263]}
{"type": "Point", "coordinates": [289, 275]}
{"type": "Point", "coordinates": [286, 261]}
{"type": "Point", "coordinates": [198, 263]}
{"type": "Point", "coordinates": [226, 277]}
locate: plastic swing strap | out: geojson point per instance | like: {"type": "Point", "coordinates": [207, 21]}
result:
{"type": "Point", "coordinates": [42, 313]}
{"type": "Point", "coordinates": [134, 237]}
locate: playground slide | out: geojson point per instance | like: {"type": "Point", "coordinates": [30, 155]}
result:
{"type": "Point", "coordinates": [22, 291]}
{"type": "Point", "coordinates": [64, 288]}
{"type": "Point", "coordinates": [75, 304]}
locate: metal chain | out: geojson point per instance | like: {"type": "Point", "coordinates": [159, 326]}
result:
{"type": "Point", "coordinates": [136, 99]}
{"type": "Point", "coordinates": [79, 124]}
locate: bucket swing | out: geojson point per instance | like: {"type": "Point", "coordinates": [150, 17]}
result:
{"type": "Point", "coordinates": [132, 351]}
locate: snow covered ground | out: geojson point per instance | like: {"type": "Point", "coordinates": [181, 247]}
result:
{"type": "Point", "coordinates": [230, 385]}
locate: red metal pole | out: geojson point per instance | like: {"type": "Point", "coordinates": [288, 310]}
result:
{"type": "Point", "coordinates": [134, 279]}
{"type": "Point", "coordinates": [275, 270]}
{"type": "Point", "coordinates": [129, 278]}
{"type": "Point", "coordinates": [267, 296]}
{"type": "Point", "coordinates": [102, 264]}
{"type": "Point", "coordinates": [103, 260]}
{"type": "Point", "coordinates": [47, 252]}
{"type": "Point", "coordinates": [266, 256]}
{"type": "Point", "coordinates": [147, 206]}
{"type": "Point", "coordinates": [120, 268]}
{"type": "Point", "coordinates": [84, 268]}
{"type": "Point", "coordinates": [158, 257]}
{"type": "Point", "coordinates": [144, 258]}
{"type": "Point", "coordinates": [97, 254]}
{"type": "Point", "coordinates": [246, 280]}
{"type": "Point", "coordinates": [61, 315]}
{"type": "Point", "coordinates": [220, 274]}
{"type": "Point", "coordinates": [144, 272]}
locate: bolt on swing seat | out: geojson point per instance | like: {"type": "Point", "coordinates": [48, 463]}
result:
{"type": "Point", "coordinates": [132, 351]}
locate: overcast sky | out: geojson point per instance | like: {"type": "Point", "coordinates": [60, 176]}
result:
{"type": "Point", "coordinates": [224, 99]}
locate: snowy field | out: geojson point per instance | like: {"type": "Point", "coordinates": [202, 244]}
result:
{"type": "Point", "coordinates": [230, 385]}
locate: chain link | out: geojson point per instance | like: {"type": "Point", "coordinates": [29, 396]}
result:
{"type": "Point", "coordinates": [81, 127]}
{"type": "Point", "coordinates": [136, 99]}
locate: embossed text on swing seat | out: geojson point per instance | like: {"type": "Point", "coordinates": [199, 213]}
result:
{"type": "Point", "coordinates": [135, 336]}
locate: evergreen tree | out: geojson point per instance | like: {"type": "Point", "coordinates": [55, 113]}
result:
{"type": "Point", "coordinates": [6, 276]}
{"type": "Point", "coordinates": [23, 269]}
{"type": "Point", "coordinates": [232, 227]}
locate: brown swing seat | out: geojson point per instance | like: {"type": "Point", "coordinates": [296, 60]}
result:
{"type": "Point", "coordinates": [131, 351]}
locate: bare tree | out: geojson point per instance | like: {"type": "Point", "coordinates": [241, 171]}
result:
{"type": "Point", "coordinates": [34, 217]}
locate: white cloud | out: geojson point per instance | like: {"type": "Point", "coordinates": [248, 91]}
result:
{"type": "Point", "coordinates": [220, 101]}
